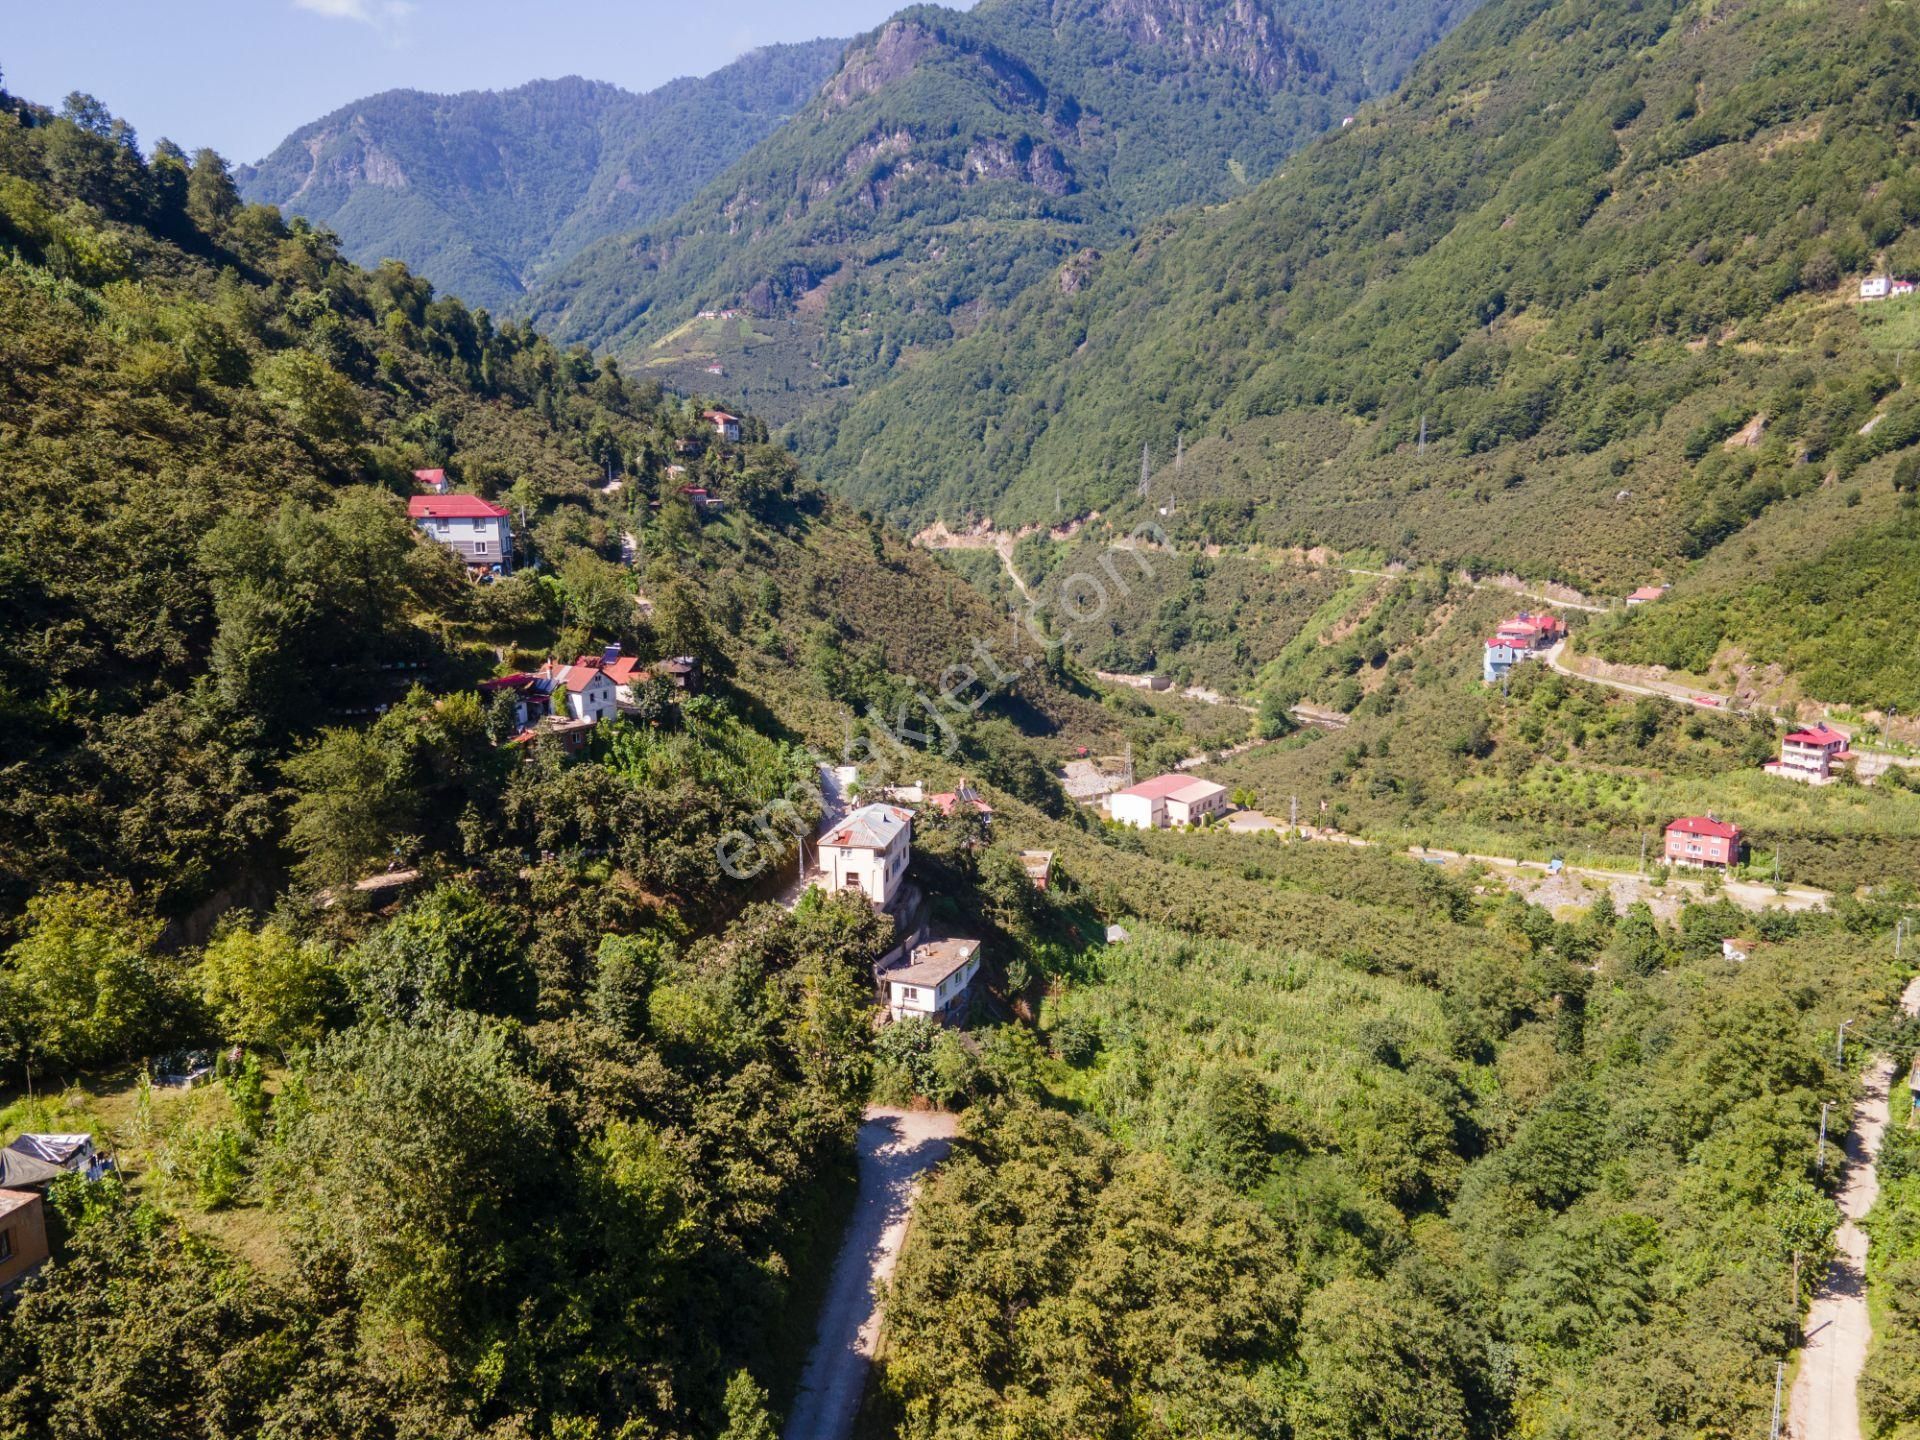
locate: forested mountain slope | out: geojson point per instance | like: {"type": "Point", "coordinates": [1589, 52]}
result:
{"type": "Point", "coordinates": [546, 1134]}
{"type": "Point", "coordinates": [482, 191]}
{"type": "Point", "coordinates": [557, 1146]}
{"type": "Point", "coordinates": [1582, 245]}
{"type": "Point", "coordinates": [956, 158]}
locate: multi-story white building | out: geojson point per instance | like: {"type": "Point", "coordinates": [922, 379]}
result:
{"type": "Point", "coordinates": [868, 852]}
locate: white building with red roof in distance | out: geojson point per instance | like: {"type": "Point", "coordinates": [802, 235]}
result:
{"type": "Point", "coordinates": [1165, 800]}
{"type": "Point", "coordinates": [867, 851]}
{"type": "Point", "coordinates": [726, 426]}
{"type": "Point", "coordinates": [1520, 638]}
{"type": "Point", "coordinates": [476, 530]}
{"type": "Point", "coordinates": [1809, 755]}
{"type": "Point", "coordinates": [1703, 841]}
{"type": "Point", "coordinates": [1646, 595]}
{"type": "Point", "coordinates": [432, 482]}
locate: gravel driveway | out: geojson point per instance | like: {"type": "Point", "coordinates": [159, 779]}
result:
{"type": "Point", "coordinates": [1825, 1404]}
{"type": "Point", "coordinates": [896, 1148]}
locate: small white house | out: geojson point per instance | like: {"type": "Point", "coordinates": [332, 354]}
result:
{"type": "Point", "coordinates": [868, 852]}
{"type": "Point", "coordinates": [582, 690]}
{"type": "Point", "coordinates": [1876, 287]}
{"type": "Point", "coordinates": [935, 981]}
{"type": "Point", "coordinates": [726, 426]}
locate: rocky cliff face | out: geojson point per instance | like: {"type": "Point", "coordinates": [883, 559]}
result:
{"type": "Point", "coordinates": [888, 58]}
{"type": "Point", "coordinates": [346, 157]}
{"type": "Point", "coordinates": [1244, 36]}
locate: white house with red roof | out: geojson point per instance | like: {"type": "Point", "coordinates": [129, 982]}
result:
{"type": "Point", "coordinates": [1165, 800]}
{"type": "Point", "coordinates": [726, 426]}
{"type": "Point", "coordinates": [1517, 639]}
{"type": "Point", "coordinates": [1809, 755]}
{"type": "Point", "coordinates": [433, 482]}
{"type": "Point", "coordinates": [584, 691]}
{"type": "Point", "coordinates": [476, 530]}
{"type": "Point", "coordinates": [1703, 841]}
{"type": "Point", "coordinates": [867, 851]}
{"type": "Point", "coordinates": [1646, 595]}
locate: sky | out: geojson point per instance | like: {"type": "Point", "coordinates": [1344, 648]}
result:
{"type": "Point", "coordinates": [240, 74]}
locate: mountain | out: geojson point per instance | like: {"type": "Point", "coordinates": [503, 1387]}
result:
{"type": "Point", "coordinates": [535, 1117]}
{"type": "Point", "coordinates": [1518, 316]}
{"type": "Point", "coordinates": [483, 190]}
{"type": "Point", "coordinates": [955, 159]}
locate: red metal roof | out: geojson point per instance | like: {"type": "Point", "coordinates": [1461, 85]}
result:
{"type": "Point", "coordinates": [1818, 735]}
{"type": "Point", "coordinates": [1160, 786]}
{"type": "Point", "coordinates": [577, 676]}
{"type": "Point", "coordinates": [453, 507]}
{"type": "Point", "coordinates": [1705, 825]}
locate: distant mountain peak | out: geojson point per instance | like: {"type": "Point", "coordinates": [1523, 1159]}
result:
{"type": "Point", "coordinates": [482, 190]}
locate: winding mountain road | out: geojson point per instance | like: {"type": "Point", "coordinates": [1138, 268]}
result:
{"type": "Point", "coordinates": [896, 1149]}
{"type": "Point", "coordinates": [1825, 1404]}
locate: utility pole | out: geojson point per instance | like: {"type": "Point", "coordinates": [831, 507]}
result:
{"type": "Point", "coordinates": [1423, 433]}
{"type": "Point", "coordinates": [1146, 469]}
{"type": "Point", "coordinates": [1643, 852]}
{"type": "Point", "coordinates": [1179, 450]}
{"type": "Point", "coordinates": [1820, 1151]}
{"type": "Point", "coordinates": [1779, 1378]}
{"type": "Point", "coordinates": [1293, 814]}
{"type": "Point", "coordinates": [1840, 1043]}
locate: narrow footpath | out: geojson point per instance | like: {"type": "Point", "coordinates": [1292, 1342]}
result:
{"type": "Point", "coordinates": [896, 1148]}
{"type": "Point", "coordinates": [1825, 1404]}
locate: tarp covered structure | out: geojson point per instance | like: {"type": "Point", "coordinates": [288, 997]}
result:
{"type": "Point", "coordinates": [69, 1152]}
{"type": "Point", "coordinates": [20, 1171]}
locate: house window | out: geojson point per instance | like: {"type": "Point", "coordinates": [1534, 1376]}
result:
{"type": "Point", "coordinates": [6, 1244]}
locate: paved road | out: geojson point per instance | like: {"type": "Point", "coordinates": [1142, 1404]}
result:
{"type": "Point", "coordinates": [1747, 894]}
{"type": "Point", "coordinates": [897, 1147]}
{"type": "Point", "coordinates": [1825, 1404]}
{"type": "Point", "coordinates": [1657, 690]}
{"type": "Point", "coordinates": [1870, 763]}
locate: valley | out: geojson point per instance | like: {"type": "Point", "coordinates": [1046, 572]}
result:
{"type": "Point", "coordinates": [1139, 718]}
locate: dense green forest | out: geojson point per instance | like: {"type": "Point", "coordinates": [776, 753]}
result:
{"type": "Point", "coordinates": [480, 192]}
{"type": "Point", "coordinates": [1579, 248]}
{"type": "Point", "coordinates": [956, 159]}
{"type": "Point", "coordinates": [548, 1133]}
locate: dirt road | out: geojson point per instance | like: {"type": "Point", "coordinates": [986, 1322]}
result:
{"type": "Point", "coordinates": [1825, 1404]}
{"type": "Point", "coordinates": [897, 1147]}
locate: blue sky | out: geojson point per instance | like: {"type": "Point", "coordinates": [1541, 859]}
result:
{"type": "Point", "coordinates": [239, 74]}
